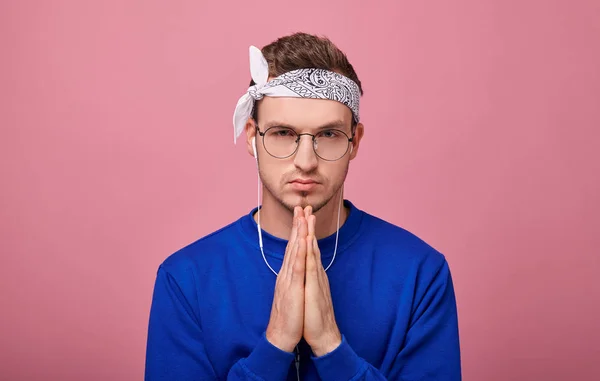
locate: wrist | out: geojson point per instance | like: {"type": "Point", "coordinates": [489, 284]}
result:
{"type": "Point", "coordinates": [279, 341]}
{"type": "Point", "coordinates": [326, 345]}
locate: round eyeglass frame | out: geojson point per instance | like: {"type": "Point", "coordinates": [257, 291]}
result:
{"type": "Point", "coordinates": [314, 137]}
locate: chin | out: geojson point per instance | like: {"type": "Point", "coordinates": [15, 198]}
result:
{"type": "Point", "coordinates": [290, 198]}
{"type": "Point", "coordinates": [315, 199]}
{"type": "Point", "coordinates": [302, 199]}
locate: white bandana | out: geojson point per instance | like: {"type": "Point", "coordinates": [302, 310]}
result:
{"type": "Point", "coordinates": [301, 83]}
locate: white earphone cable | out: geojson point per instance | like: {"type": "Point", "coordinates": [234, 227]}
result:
{"type": "Point", "coordinates": [260, 240]}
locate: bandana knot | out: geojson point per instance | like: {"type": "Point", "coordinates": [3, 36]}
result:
{"type": "Point", "coordinates": [255, 93]}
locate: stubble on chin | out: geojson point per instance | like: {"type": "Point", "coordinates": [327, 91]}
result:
{"type": "Point", "coordinates": [304, 201]}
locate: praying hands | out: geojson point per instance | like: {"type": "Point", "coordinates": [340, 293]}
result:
{"type": "Point", "coordinates": [302, 305]}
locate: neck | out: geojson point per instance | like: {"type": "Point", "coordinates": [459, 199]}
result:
{"type": "Point", "coordinates": [276, 219]}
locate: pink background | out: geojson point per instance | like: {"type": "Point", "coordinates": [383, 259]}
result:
{"type": "Point", "coordinates": [116, 149]}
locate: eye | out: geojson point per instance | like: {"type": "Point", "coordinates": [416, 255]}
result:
{"type": "Point", "coordinates": [330, 134]}
{"type": "Point", "coordinates": [281, 132]}
{"type": "Point", "coordinates": [284, 133]}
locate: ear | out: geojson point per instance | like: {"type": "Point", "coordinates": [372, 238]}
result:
{"type": "Point", "coordinates": [358, 135]}
{"type": "Point", "coordinates": [250, 133]}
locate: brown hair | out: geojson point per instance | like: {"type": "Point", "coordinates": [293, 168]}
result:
{"type": "Point", "coordinates": [302, 50]}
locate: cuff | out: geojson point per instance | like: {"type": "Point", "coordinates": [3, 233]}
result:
{"type": "Point", "coordinates": [340, 364]}
{"type": "Point", "coordinates": [268, 362]}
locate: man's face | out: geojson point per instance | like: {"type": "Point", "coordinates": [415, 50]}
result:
{"type": "Point", "coordinates": [303, 178]}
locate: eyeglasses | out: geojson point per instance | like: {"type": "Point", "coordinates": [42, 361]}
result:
{"type": "Point", "coordinates": [283, 142]}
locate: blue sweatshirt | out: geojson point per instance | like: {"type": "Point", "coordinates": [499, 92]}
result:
{"type": "Point", "coordinates": [392, 295]}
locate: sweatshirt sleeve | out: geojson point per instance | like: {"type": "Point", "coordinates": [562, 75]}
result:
{"type": "Point", "coordinates": [175, 347]}
{"type": "Point", "coordinates": [431, 349]}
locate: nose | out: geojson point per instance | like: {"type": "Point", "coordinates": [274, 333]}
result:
{"type": "Point", "coordinates": [305, 158]}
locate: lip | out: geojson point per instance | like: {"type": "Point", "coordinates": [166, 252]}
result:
{"type": "Point", "coordinates": [303, 184]}
{"type": "Point", "coordinates": [302, 181]}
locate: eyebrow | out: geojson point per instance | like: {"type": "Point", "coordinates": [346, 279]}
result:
{"type": "Point", "coordinates": [339, 124]}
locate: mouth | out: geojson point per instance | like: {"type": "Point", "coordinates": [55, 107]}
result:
{"type": "Point", "coordinates": [303, 184]}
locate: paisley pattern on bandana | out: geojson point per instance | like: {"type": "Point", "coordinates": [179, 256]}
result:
{"type": "Point", "coordinates": [319, 84]}
{"type": "Point", "coordinates": [301, 83]}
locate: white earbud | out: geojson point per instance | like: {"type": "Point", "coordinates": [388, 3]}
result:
{"type": "Point", "coordinates": [254, 146]}
{"type": "Point", "coordinates": [351, 147]}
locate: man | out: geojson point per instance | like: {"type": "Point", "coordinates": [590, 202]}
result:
{"type": "Point", "coordinates": [308, 286]}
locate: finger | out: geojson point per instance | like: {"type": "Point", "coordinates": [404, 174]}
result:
{"type": "Point", "coordinates": [311, 225]}
{"type": "Point", "coordinates": [295, 225]}
{"type": "Point", "coordinates": [294, 232]}
{"type": "Point", "coordinates": [319, 262]}
{"type": "Point", "coordinates": [302, 227]}
{"type": "Point", "coordinates": [291, 242]}
{"type": "Point", "coordinates": [300, 236]}
{"type": "Point", "coordinates": [292, 260]}
{"type": "Point", "coordinates": [321, 274]}
{"type": "Point", "coordinates": [307, 211]}
{"type": "Point", "coordinates": [299, 266]}
{"type": "Point", "coordinates": [311, 264]}
{"type": "Point", "coordinates": [316, 249]}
